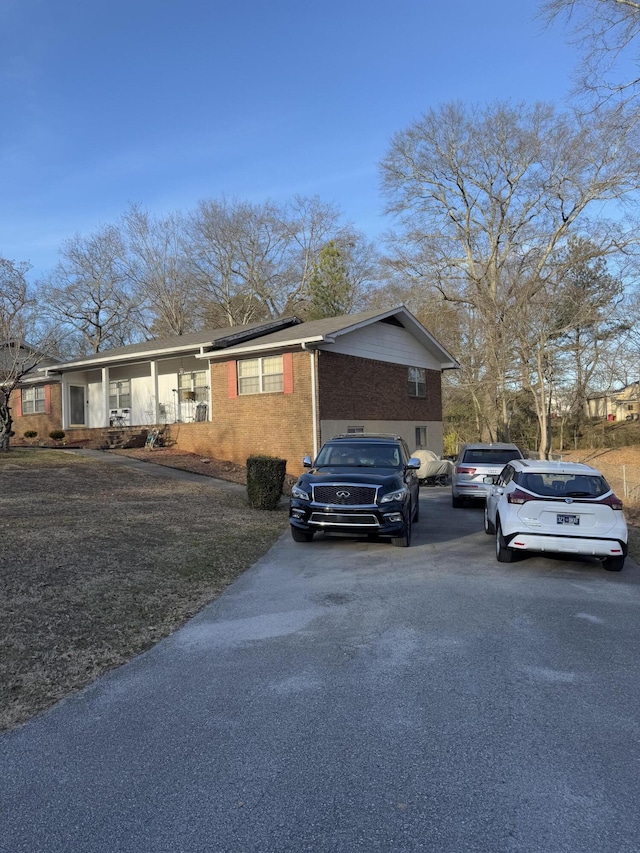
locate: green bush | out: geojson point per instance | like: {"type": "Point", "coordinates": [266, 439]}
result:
{"type": "Point", "coordinates": [30, 433]}
{"type": "Point", "coordinates": [265, 478]}
{"type": "Point", "coordinates": [57, 434]}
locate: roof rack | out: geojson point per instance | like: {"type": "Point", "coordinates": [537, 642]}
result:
{"type": "Point", "coordinates": [356, 435]}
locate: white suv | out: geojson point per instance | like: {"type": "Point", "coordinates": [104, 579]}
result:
{"type": "Point", "coordinates": [474, 463]}
{"type": "Point", "coordinates": [560, 507]}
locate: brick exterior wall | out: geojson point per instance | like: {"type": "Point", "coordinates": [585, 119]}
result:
{"type": "Point", "coordinates": [43, 423]}
{"type": "Point", "coordinates": [355, 389]}
{"type": "Point", "coordinates": [277, 424]}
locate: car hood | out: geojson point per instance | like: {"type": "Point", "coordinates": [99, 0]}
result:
{"type": "Point", "coordinates": [364, 476]}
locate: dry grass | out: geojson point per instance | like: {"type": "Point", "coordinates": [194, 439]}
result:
{"type": "Point", "coordinates": [99, 562]}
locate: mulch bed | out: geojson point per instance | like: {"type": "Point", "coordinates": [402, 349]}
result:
{"type": "Point", "coordinates": [207, 466]}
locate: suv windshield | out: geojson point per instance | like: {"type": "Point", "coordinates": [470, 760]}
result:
{"type": "Point", "coordinates": [490, 456]}
{"type": "Point", "coordinates": [359, 454]}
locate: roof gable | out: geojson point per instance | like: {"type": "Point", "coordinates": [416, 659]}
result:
{"type": "Point", "coordinates": [323, 333]}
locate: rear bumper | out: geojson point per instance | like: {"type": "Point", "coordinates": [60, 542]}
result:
{"type": "Point", "coordinates": [582, 545]}
{"type": "Point", "coordinates": [467, 490]}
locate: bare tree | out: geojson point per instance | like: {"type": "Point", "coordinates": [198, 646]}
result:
{"type": "Point", "coordinates": [251, 262]}
{"type": "Point", "coordinates": [19, 354]}
{"type": "Point", "coordinates": [157, 263]}
{"type": "Point", "coordinates": [487, 198]}
{"type": "Point", "coordinates": [606, 31]}
{"type": "Point", "coordinates": [592, 311]}
{"type": "Point", "coordinates": [89, 292]}
{"type": "Point", "coordinates": [235, 249]}
{"type": "Point", "coordinates": [310, 224]}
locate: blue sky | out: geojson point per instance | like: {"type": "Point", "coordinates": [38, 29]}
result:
{"type": "Point", "coordinates": [166, 102]}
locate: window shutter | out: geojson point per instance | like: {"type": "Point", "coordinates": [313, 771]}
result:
{"type": "Point", "coordinates": [17, 403]}
{"type": "Point", "coordinates": [232, 379]}
{"type": "Point", "coordinates": [47, 399]}
{"type": "Point", "coordinates": [287, 373]}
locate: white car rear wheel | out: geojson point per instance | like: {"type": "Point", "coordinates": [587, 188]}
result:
{"type": "Point", "coordinates": [503, 554]}
{"type": "Point", "coordinates": [489, 529]}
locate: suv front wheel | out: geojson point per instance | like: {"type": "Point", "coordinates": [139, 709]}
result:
{"type": "Point", "coordinates": [404, 540]}
{"type": "Point", "coordinates": [301, 535]}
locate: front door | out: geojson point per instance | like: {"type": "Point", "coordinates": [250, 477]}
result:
{"type": "Point", "coordinates": [76, 405]}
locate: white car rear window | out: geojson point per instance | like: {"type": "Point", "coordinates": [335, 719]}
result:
{"type": "Point", "coordinates": [564, 485]}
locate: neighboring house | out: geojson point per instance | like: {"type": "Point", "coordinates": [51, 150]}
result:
{"type": "Point", "coordinates": [279, 388]}
{"type": "Point", "coordinates": [620, 405]}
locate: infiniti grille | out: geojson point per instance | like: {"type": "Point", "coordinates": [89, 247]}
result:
{"type": "Point", "coordinates": [341, 495]}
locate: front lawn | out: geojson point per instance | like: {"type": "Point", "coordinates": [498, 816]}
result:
{"type": "Point", "coordinates": [98, 562]}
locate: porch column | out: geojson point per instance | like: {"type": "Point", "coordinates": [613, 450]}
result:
{"type": "Point", "coordinates": [64, 396]}
{"type": "Point", "coordinates": [154, 390]}
{"type": "Point", "coordinates": [105, 396]}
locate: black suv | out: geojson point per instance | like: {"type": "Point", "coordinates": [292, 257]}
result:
{"type": "Point", "coordinates": [358, 484]}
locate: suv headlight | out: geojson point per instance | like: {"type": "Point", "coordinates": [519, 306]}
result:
{"type": "Point", "coordinates": [398, 495]}
{"type": "Point", "coordinates": [297, 492]}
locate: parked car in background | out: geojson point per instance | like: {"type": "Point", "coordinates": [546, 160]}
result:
{"type": "Point", "coordinates": [563, 507]}
{"type": "Point", "coordinates": [474, 463]}
{"type": "Point", "coordinates": [362, 483]}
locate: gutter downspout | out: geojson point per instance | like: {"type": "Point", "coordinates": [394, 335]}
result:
{"type": "Point", "coordinates": [314, 406]}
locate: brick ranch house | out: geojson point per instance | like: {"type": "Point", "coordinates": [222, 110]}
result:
{"type": "Point", "coordinates": [279, 388]}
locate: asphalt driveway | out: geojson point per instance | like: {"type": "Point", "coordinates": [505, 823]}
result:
{"type": "Point", "coordinates": [351, 696]}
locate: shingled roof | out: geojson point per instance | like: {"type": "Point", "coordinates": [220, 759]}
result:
{"type": "Point", "coordinates": [286, 332]}
{"type": "Point", "coordinates": [181, 344]}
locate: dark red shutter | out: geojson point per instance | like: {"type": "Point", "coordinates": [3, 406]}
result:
{"type": "Point", "coordinates": [47, 399]}
{"type": "Point", "coordinates": [17, 402]}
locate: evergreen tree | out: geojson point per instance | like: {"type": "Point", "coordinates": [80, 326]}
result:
{"type": "Point", "coordinates": [330, 288]}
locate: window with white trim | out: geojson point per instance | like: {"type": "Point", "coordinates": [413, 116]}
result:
{"type": "Point", "coordinates": [120, 394]}
{"type": "Point", "coordinates": [417, 382]}
{"type": "Point", "coordinates": [33, 401]}
{"type": "Point", "coordinates": [260, 375]}
{"type": "Point", "coordinates": [355, 430]}
{"type": "Point", "coordinates": [421, 436]}
{"type": "Point", "coordinates": [193, 386]}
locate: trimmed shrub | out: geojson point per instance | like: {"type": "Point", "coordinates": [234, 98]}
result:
{"type": "Point", "coordinates": [57, 434]}
{"type": "Point", "coordinates": [30, 433]}
{"type": "Point", "coordinates": [265, 478]}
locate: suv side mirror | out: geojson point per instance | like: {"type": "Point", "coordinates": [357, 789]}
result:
{"type": "Point", "coordinates": [306, 462]}
{"type": "Point", "coordinates": [414, 463]}
{"type": "Point", "coordinates": [490, 481]}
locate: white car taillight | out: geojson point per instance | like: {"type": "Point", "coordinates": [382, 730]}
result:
{"type": "Point", "coordinates": [612, 501]}
{"type": "Point", "coordinates": [462, 470]}
{"type": "Point", "coordinates": [518, 497]}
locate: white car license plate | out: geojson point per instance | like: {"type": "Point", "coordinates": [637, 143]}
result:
{"type": "Point", "coordinates": [568, 519]}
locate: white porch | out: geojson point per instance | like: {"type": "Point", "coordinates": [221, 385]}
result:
{"type": "Point", "coordinates": [156, 391]}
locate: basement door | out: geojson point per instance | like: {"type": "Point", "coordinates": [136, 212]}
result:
{"type": "Point", "coordinates": [76, 405]}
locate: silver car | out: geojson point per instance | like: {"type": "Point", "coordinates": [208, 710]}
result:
{"type": "Point", "coordinates": [474, 463]}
